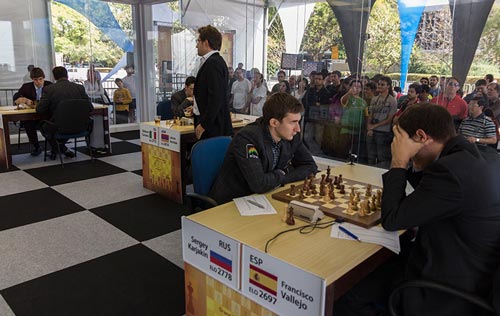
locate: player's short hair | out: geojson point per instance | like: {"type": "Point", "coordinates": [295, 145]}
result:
{"type": "Point", "coordinates": [425, 88]}
{"type": "Point", "coordinates": [282, 72]}
{"type": "Point", "coordinates": [212, 35]}
{"type": "Point", "coordinates": [495, 85]}
{"type": "Point", "coordinates": [59, 72]}
{"type": "Point", "coordinates": [278, 105]}
{"type": "Point", "coordinates": [489, 77]}
{"type": "Point", "coordinates": [480, 82]}
{"type": "Point", "coordinates": [336, 72]}
{"type": "Point", "coordinates": [189, 81]}
{"type": "Point", "coordinates": [37, 73]}
{"type": "Point", "coordinates": [417, 87]}
{"type": "Point", "coordinates": [434, 119]}
{"type": "Point", "coordinates": [434, 76]}
{"type": "Point", "coordinates": [480, 101]}
{"type": "Point", "coordinates": [118, 80]}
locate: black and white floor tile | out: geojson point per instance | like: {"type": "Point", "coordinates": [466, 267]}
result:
{"type": "Point", "coordinates": [87, 238]}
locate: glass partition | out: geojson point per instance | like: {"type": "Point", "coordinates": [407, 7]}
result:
{"type": "Point", "coordinates": [318, 51]}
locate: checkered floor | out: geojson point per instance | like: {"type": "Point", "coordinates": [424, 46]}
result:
{"type": "Point", "coordinates": [88, 239]}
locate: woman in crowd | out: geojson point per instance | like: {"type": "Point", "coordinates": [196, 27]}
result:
{"type": "Point", "coordinates": [94, 88]}
{"type": "Point", "coordinates": [259, 94]}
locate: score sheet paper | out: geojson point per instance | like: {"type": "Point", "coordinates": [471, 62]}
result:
{"type": "Point", "coordinates": [254, 205]}
{"type": "Point", "coordinates": [375, 235]}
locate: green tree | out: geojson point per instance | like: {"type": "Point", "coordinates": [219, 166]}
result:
{"type": "Point", "coordinates": [80, 41]}
{"type": "Point", "coordinates": [322, 32]}
{"type": "Point", "coordinates": [275, 43]}
{"type": "Point", "coordinates": [383, 48]}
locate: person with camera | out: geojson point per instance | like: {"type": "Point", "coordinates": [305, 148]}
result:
{"type": "Point", "coordinates": [379, 136]}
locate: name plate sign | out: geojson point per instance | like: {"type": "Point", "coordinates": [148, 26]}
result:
{"type": "Point", "coordinates": [211, 252]}
{"type": "Point", "coordinates": [279, 286]}
{"type": "Point", "coordinates": [149, 134]}
{"type": "Point", "coordinates": [170, 139]}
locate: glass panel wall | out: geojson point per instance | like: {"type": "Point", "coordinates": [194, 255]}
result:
{"type": "Point", "coordinates": [94, 41]}
{"type": "Point", "coordinates": [313, 50]}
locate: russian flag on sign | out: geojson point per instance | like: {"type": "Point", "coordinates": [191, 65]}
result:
{"type": "Point", "coordinates": [221, 261]}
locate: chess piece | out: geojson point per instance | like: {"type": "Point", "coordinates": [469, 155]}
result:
{"type": "Point", "coordinates": [354, 205]}
{"type": "Point", "coordinates": [326, 197]}
{"type": "Point", "coordinates": [313, 189]}
{"type": "Point", "coordinates": [292, 190]}
{"type": "Point", "coordinates": [364, 209]}
{"type": "Point", "coordinates": [336, 181]}
{"type": "Point", "coordinates": [322, 179]}
{"type": "Point", "coordinates": [308, 191]}
{"type": "Point", "coordinates": [289, 219]}
{"type": "Point", "coordinates": [332, 194]}
{"type": "Point", "coordinates": [304, 186]}
{"type": "Point", "coordinates": [322, 189]}
{"type": "Point", "coordinates": [302, 196]}
{"type": "Point", "coordinates": [379, 200]}
{"type": "Point", "coordinates": [368, 192]}
{"type": "Point", "coordinates": [373, 204]}
{"type": "Point", "coordinates": [340, 179]}
{"type": "Point", "coordinates": [342, 189]}
{"type": "Point", "coordinates": [352, 191]}
{"type": "Point", "coordinates": [357, 198]}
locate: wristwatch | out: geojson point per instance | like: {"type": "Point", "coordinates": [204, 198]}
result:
{"type": "Point", "coordinates": [477, 140]}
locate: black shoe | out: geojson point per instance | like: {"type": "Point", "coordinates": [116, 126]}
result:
{"type": "Point", "coordinates": [53, 155]}
{"type": "Point", "coordinates": [36, 151]}
{"type": "Point", "coordinates": [69, 154]}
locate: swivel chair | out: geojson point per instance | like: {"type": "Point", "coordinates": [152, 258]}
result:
{"type": "Point", "coordinates": [206, 160]}
{"type": "Point", "coordinates": [490, 304]}
{"type": "Point", "coordinates": [70, 121]}
{"type": "Point", "coordinates": [164, 109]}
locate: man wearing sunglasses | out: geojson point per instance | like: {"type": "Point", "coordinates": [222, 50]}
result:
{"type": "Point", "coordinates": [452, 101]}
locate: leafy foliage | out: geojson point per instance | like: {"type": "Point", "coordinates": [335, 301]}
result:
{"type": "Point", "coordinates": [322, 32]}
{"type": "Point", "coordinates": [383, 48]}
{"type": "Point", "coordinates": [80, 41]}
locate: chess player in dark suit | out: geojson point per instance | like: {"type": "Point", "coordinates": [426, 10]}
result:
{"type": "Point", "coordinates": [183, 100]}
{"type": "Point", "coordinates": [52, 95]}
{"type": "Point", "coordinates": [212, 117]}
{"type": "Point", "coordinates": [265, 154]}
{"type": "Point", "coordinates": [29, 94]}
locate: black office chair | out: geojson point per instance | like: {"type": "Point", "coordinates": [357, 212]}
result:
{"type": "Point", "coordinates": [490, 304]}
{"type": "Point", "coordinates": [206, 160]}
{"type": "Point", "coordinates": [164, 109]}
{"type": "Point", "coordinates": [71, 121]}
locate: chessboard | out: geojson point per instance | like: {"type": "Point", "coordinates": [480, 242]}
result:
{"type": "Point", "coordinates": [352, 201]}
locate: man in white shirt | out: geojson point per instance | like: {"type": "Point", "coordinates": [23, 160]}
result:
{"type": "Point", "coordinates": [129, 83]}
{"type": "Point", "coordinates": [240, 93]}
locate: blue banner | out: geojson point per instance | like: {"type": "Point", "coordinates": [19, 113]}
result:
{"type": "Point", "coordinates": [99, 13]}
{"type": "Point", "coordinates": [410, 12]}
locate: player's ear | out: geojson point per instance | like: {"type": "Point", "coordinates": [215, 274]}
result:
{"type": "Point", "coordinates": [421, 135]}
{"type": "Point", "coordinates": [273, 122]}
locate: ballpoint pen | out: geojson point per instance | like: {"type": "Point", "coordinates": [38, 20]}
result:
{"type": "Point", "coordinates": [255, 203]}
{"type": "Point", "coordinates": [348, 233]}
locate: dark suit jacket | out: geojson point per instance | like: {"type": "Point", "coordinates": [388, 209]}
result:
{"type": "Point", "coordinates": [210, 91]}
{"type": "Point", "coordinates": [248, 164]}
{"type": "Point", "coordinates": [55, 93]}
{"type": "Point", "coordinates": [28, 91]}
{"type": "Point", "coordinates": [456, 206]}
{"type": "Point", "coordinates": [179, 103]}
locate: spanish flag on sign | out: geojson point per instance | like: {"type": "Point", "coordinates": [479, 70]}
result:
{"type": "Point", "coordinates": [263, 280]}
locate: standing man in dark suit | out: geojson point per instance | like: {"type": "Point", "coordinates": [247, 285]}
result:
{"type": "Point", "coordinates": [63, 89]}
{"type": "Point", "coordinates": [29, 94]}
{"type": "Point", "coordinates": [211, 108]}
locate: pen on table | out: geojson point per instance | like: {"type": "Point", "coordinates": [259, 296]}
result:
{"type": "Point", "coordinates": [255, 203]}
{"type": "Point", "coordinates": [348, 233]}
